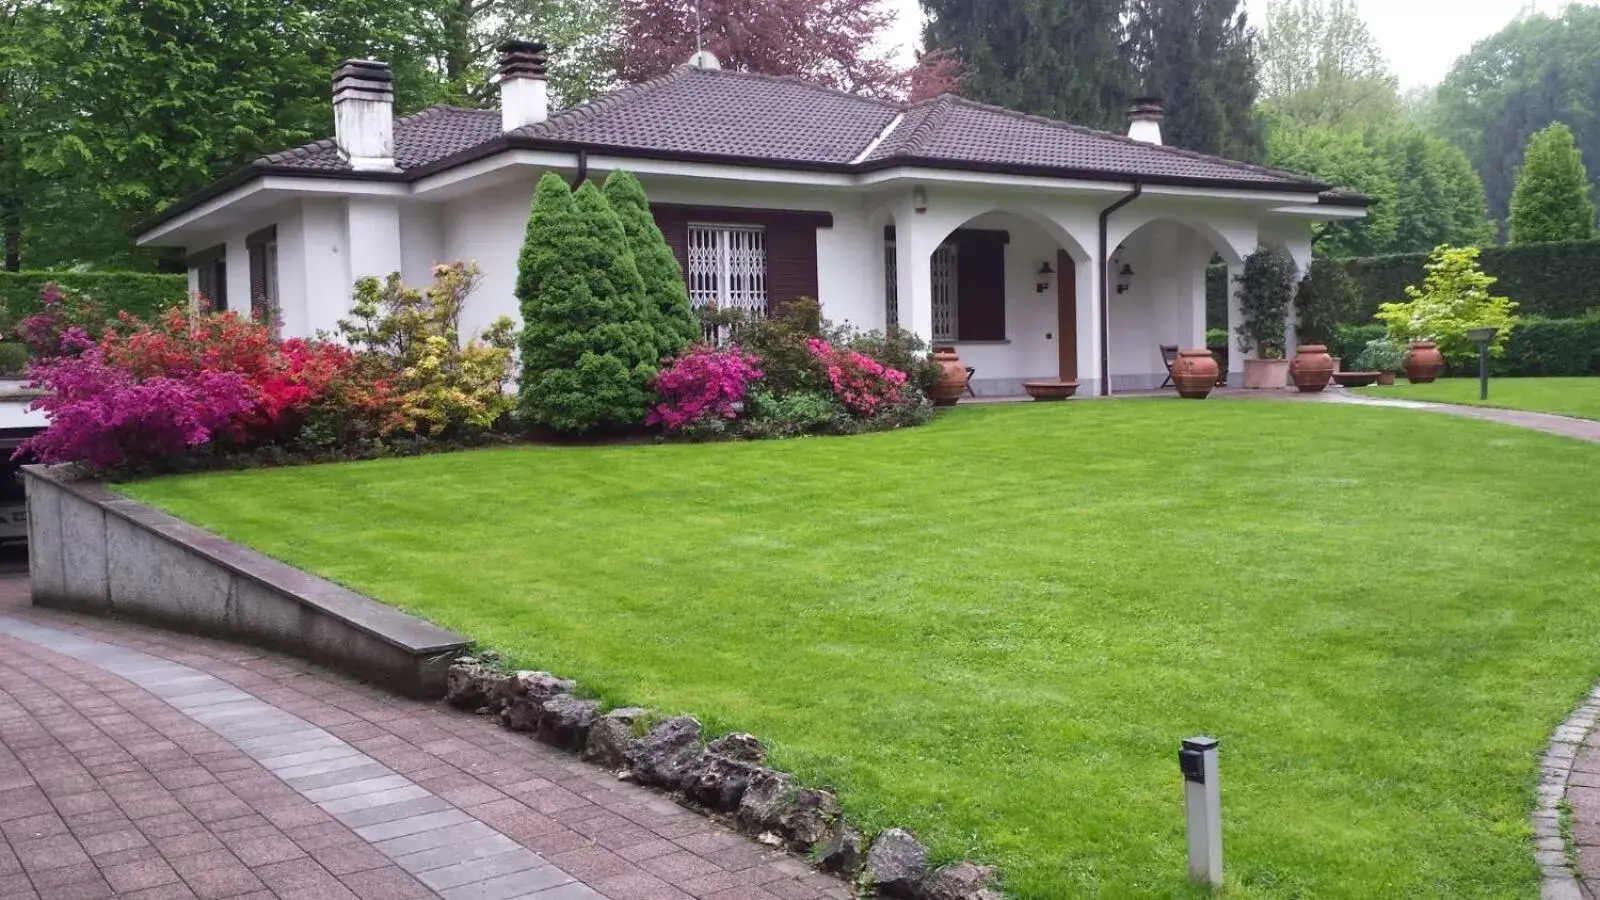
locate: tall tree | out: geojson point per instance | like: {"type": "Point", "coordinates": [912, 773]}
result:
{"type": "Point", "coordinates": [1551, 201]}
{"type": "Point", "coordinates": [1535, 71]}
{"type": "Point", "coordinates": [461, 36]}
{"type": "Point", "coordinates": [1344, 158]}
{"type": "Point", "coordinates": [838, 43]}
{"type": "Point", "coordinates": [666, 297]}
{"type": "Point", "coordinates": [1199, 55]}
{"type": "Point", "coordinates": [1057, 58]}
{"type": "Point", "coordinates": [1321, 67]}
{"type": "Point", "coordinates": [143, 101]}
{"type": "Point", "coordinates": [1438, 200]}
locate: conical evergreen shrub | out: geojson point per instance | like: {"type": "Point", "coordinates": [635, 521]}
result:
{"type": "Point", "coordinates": [666, 296]}
{"type": "Point", "coordinates": [588, 349]}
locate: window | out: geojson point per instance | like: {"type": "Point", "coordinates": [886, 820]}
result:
{"type": "Point", "coordinates": [728, 268]}
{"type": "Point", "coordinates": [211, 270]}
{"type": "Point", "coordinates": [967, 286]}
{"type": "Point", "coordinates": [945, 279]}
{"type": "Point", "coordinates": [263, 247]}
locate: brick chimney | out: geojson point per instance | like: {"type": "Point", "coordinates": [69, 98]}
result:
{"type": "Point", "coordinates": [524, 93]}
{"type": "Point", "coordinates": [363, 114]}
{"type": "Point", "coordinates": [1144, 120]}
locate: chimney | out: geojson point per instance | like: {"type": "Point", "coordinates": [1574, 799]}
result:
{"type": "Point", "coordinates": [524, 94]}
{"type": "Point", "coordinates": [1144, 120]}
{"type": "Point", "coordinates": [363, 114]}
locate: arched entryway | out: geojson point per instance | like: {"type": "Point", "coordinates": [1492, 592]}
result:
{"type": "Point", "coordinates": [1005, 288]}
{"type": "Point", "coordinates": [1156, 296]}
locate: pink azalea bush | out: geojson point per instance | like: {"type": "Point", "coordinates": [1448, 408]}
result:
{"type": "Point", "coordinates": [104, 417]}
{"type": "Point", "coordinates": [704, 383]}
{"type": "Point", "coordinates": [865, 386]}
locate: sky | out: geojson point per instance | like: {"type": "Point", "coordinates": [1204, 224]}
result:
{"type": "Point", "coordinates": [1421, 38]}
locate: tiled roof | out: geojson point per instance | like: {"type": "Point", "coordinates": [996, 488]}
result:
{"type": "Point", "coordinates": [951, 129]}
{"type": "Point", "coordinates": [419, 139]}
{"type": "Point", "coordinates": [703, 114]}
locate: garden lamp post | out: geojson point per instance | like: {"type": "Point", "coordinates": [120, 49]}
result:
{"type": "Point", "coordinates": [1483, 337]}
{"type": "Point", "coordinates": [1202, 801]}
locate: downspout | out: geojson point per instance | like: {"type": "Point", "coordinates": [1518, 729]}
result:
{"type": "Point", "coordinates": [583, 170]}
{"type": "Point", "coordinates": [1105, 288]}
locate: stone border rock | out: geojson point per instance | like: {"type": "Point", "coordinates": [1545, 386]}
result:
{"type": "Point", "coordinates": [1560, 881]}
{"type": "Point", "coordinates": [727, 778]}
{"type": "Point", "coordinates": [93, 551]}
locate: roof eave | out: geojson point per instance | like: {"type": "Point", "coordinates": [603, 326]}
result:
{"type": "Point", "coordinates": [241, 177]}
{"type": "Point", "coordinates": [1294, 187]}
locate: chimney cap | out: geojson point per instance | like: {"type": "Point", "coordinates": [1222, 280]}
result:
{"type": "Point", "coordinates": [523, 59]}
{"type": "Point", "coordinates": [1146, 107]}
{"type": "Point", "coordinates": [369, 69]}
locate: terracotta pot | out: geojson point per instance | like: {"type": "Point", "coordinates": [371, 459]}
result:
{"type": "Point", "coordinates": [1050, 390]}
{"type": "Point", "coordinates": [1261, 374]}
{"type": "Point", "coordinates": [1424, 362]}
{"type": "Point", "coordinates": [952, 381]}
{"type": "Point", "coordinates": [1338, 364]}
{"type": "Point", "coordinates": [1386, 378]}
{"type": "Point", "coordinates": [1195, 373]}
{"type": "Point", "coordinates": [1311, 368]}
{"type": "Point", "coordinates": [1356, 379]}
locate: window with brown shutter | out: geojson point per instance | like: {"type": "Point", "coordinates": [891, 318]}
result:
{"type": "Point", "coordinates": [211, 270]}
{"type": "Point", "coordinates": [263, 248]}
{"type": "Point", "coordinates": [980, 285]}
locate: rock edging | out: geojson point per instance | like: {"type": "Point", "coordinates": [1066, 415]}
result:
{"type": "Point", "coordinates": [727, 777]}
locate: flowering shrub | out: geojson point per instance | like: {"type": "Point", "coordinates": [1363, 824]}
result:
{"type": "Point", "coordinates": [864, 385]}
{"type": "Point", "coordinates": [705, 383]}
{"type": "Point", "coordinates": [104, 417]}
{"type": "Point", "coordinates": [41, 332]}
{"type": "Point", "coordinates": [412, 339]}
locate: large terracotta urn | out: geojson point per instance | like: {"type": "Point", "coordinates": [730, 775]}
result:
{"type": "Point", "coordinates": [1195, 373]}
{"type": "Point", "coordinates": [1424, 362]}
{"type": "Point", "coordinates": [1311, 368]}
{"type": "Point", "coordinates": [952, 381]}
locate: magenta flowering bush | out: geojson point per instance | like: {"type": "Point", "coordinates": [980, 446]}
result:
{"type": "Point", "coordinates": [704, 383]}
{"type": "Point", "coordinates": [103, 417]}
{"type": "Point", "coordinates": [865, 386]}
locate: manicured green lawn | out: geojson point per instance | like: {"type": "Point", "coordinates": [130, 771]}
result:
{"type": "Point", "coordinates": [1565, 396]}
{"type": "Point", "coordinates": [996, 629]}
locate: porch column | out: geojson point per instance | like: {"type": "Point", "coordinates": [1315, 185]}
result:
{"type": "Point", "coordinates": [1090, 345]}
{"type": "Point", "coordinates": [1236, 357]}
{"type": "Point", "coordinates": [914, 248]}
{"type": "Point", "coordinates": [1298, 250]}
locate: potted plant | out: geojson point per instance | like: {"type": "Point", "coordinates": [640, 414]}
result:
{"type": "Point", "coordinates": [1382, 356]}
{"type": "Point", "coordinates": [1324, 298]}
{"type": "Point", "coordinates": [1266, 288]}
{"type": "Point", "coordinates": [1456, 296]}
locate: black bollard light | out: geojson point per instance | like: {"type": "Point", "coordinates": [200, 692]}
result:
{"type": "Point", "coordinates": [1484, 337]}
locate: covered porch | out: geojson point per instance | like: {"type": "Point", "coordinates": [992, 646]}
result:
{"type": "Point", "coordinates": [1013, 282]}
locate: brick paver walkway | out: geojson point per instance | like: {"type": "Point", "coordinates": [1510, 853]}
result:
{"type": "Point", "coordinates": [140, 763]}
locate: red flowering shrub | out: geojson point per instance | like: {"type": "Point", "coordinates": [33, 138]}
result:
{"type": "Point", "coordinates": [705, 383]}
{"type": "Point", "coordinates": [865, 386]}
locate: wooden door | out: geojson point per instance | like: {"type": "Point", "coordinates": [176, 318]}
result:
{"type": "Point", "coordinates": [1067, 314]}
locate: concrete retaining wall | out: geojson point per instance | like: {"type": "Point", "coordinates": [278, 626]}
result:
{"type": "Point", "coordinates": [94, 551]}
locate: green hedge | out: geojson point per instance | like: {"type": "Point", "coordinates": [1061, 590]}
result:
{"type": "Point", "coordinates": [1535, 347]}
{"type": "Point", "coordinates": [140, 293]}
{"type": "Point", "coordinates": [1553, 281]}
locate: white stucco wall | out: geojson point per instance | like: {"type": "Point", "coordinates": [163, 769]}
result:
{"type": "Point", "coordinates": [1164, 303]}
{"type": "Point", "coordinates": [486, 228]}
{"type": "Point", "coordinates": [1031, 350]}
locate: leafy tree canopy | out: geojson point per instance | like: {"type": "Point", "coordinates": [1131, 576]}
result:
{"type": "Point", "coordinates": [1551, 201]}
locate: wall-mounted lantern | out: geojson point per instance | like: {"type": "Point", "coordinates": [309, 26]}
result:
{"type": "Point", "coordinates": [1047, 273]}
{"type": "Point", "coordinates": [1124, 278]}
{"type": "Point", "coordinates": [919, 199]}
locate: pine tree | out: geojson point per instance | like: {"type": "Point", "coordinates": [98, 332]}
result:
{"type": "Point", "coordinates": [666, 296]}
{"type": "Point", "coordinates": [588, 353]}
{"type": "Point", "coordinates": [1060, 59]}
{"type": "Point", "coordinates": [1551, 200]}
{"type": "Point", "coordinates": [1198, 55]}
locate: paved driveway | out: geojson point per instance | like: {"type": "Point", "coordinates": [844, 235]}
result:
{"type": "Point", "coordinates": [139, 763]}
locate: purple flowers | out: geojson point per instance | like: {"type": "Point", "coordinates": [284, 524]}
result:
{"type": "Point", "coordinates": [703, 383]}
{"type": "Point", "coordinates": [103, 417]}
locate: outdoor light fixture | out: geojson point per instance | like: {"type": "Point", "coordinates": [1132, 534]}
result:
{"type": "Point", "coordinates": [1124, 279]}
{"type": "Point", "coordinates": [1046, 272]}
{"type": "Point", "coordinates": [1202, 804]}
{"type": "Point", "coordinates": [1483, 337]}
{"type": "Point", "coordinates": [919, 199]}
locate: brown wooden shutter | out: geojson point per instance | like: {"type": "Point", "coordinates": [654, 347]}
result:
{"type": "Point", "coordinates": [981, 285]}
{"type": "Point", "coordinates": [675, 228]}
{"type": "Point", "coordinates": [791, 263]}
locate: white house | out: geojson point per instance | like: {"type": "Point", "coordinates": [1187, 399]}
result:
{"type": "Point", "coordinates": [1039, 249]}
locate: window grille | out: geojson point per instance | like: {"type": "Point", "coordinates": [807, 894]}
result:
{"type": "Point", "coordinates": [728, 271]}
{"type": "Point", "coordinates": [891, 286]}
{"type": "Point", "coordinates": [944, 293]}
